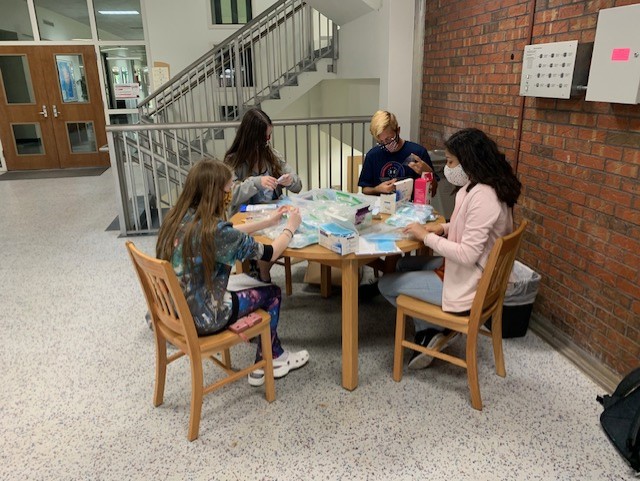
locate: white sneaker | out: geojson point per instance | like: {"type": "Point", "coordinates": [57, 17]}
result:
{"type": "Point", "coordinates": [287, 361]}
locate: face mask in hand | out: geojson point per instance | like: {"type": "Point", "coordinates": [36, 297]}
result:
{"type": "Point", "coordinates": [456, 176]}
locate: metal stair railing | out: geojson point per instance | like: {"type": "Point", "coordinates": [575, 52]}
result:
{"type": "Point", "coordinates": [149, 173]}
{"type": "Point", "coordinates": [250, 66]}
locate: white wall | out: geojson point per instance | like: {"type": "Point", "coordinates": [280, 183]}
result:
{"type": "Point", "coordinates": [399, 71]}
{"type": "Point", "coordinates": [178, 32]}
{"type": "Point", "coordinates": [379, 45]}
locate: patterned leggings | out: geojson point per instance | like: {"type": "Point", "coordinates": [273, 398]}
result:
{"type": "Point", "coordinates": [267, 298]}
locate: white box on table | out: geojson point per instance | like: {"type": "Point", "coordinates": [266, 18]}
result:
{"type": "Point", "coordinates": [338, 238]}
{"type": "Point", "coordinates": [389, 202]}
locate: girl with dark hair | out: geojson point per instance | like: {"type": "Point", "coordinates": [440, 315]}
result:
{"type": "Point", "coordinates": [487, 191]}
{"type": "Point", "coordinates": [259, 171]}
{"type": "Point", "coordinates": [202, 246]}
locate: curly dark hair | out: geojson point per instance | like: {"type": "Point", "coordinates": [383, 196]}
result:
{"type": "Point", "coordinates": [484, 163]}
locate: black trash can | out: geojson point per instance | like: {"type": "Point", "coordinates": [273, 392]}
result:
{"type": "Point", "coordinates": [518, 301]}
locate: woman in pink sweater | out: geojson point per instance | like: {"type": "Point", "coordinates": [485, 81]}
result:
{"type": "Point", "coordinates": [487, 191]}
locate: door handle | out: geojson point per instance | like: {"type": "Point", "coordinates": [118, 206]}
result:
{"type": "Point", "coordinates": [44, 112]}
{"type": "Point", "coordinates": [55, 111]}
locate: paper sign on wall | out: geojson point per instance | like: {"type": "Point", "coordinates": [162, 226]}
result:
{"type": "Point", "coordinates": [159, 74]}
{"type": "Point", "coordinates": [126, 91]}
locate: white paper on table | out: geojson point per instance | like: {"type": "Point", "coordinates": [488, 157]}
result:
{"type": "Point", "coordinates": [379, 247]}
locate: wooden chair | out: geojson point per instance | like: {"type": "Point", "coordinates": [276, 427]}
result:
{"type": "Point", "coordinates": [172, 322]}
{"type": "Point", "coordinates": [354, 165]}
{"type": "Point", "coordinates": [487, 303]}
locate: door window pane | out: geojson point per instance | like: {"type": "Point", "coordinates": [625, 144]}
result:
{"type": "Point", "coordinates": [16, 79]}
{"type": "Point", "coordinates": [127, 75]}
{"type": "Point", "coordinates": [118, 19]}
{"type": "Point", "coordinates": [28, 139]}
{"type": "Point", "coordinates": [15, 23]}
{"type": "Point", "coordinates": [82, 137]}
{"type": "Point", "coordinates": [71, 78]}
{"type": "Point", "coordinates": [68, 20]}
{"type": "Point", "coordinates": [230, 11]}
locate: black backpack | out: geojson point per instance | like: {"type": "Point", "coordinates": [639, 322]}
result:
{"type": "Point", "coordinates": [621, 418]}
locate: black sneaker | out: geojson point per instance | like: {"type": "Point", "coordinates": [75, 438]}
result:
{"type": "Point", "coordinates": [431, 339]}
{"type": "Point", "coordinates": [369, 291]}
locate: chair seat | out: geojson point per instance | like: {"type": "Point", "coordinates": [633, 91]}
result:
{"type": "Point", "coordinates": [219, 341]}
{"type": "Point", "coordinates": [422, 309]}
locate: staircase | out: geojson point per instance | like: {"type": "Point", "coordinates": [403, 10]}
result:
{"type": "Point", "coordinates": [288, 45]}
{"type": "Point", "coordinates": [269, 63]}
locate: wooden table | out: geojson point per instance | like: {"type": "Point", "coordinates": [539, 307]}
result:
{"type": "Point", "coordinates": [349, 265]}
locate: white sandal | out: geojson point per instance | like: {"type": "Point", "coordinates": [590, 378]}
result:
{"type": "Point", "coordinates": [281, 367]}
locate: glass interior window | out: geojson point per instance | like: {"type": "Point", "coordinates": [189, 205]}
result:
{"type": "Point", "coordinates": [118, 19]}
{"type": "Point", "coordinates": [15, 23]}
{"type": "Point", "coordinates": [71, 78]}
{"type": "Point", "coordinates": [230, 11]}
{"type": "Point", "coordinates": [123, 119]}
{"type": "Point", "coordinates": [68, 20]}
{"type": "Point", "coordinates": [127, 75]}
{"type": "Point", "coordinates": [28, 139]}
{"type": "Point", "coordinates": [82, 137]}
{"type": "Point", "coordinates": [16, 79]}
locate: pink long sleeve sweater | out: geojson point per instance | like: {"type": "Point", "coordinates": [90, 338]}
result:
{"type": "Point", "coordinates": [478, 219]}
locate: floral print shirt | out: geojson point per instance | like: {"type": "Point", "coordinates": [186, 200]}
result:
{"type": "Point", "coordinates": [213, 309]}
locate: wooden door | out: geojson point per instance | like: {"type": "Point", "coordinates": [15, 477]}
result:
{"type": "Point", "coordinates": [51, 111]}
{"type": "Point", "coordinates": [26, 131]}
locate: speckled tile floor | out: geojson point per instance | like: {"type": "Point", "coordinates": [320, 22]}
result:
{"type": "Point", "coordinates": [77, 380]}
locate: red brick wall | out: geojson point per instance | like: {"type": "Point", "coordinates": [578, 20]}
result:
{"type": "Point", "coordinates": [579, 161]}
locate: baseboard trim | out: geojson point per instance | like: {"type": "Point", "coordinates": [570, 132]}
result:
{"type": "Point", "coordinates": [599, 373]}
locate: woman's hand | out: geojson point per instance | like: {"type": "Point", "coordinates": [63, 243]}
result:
{"type": "Point", "coordinates": [276, 215]}
{"type": "Point", "coordinates": [418, 231]}
{"type": "Point", "coordinates": [285, 180]}
{"type": "Point", "coordinates": [269, 182]}
{"type": "Point", "coordinates": [294, 218]}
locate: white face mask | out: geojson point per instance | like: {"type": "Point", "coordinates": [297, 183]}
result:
{"type": "Point", "coordinates": [456, 176]}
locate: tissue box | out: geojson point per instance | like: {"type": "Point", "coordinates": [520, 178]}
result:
{"type": "Point", "coordinates": [338, 238]}
{"type": "Point", "coordinates": [388, 202]}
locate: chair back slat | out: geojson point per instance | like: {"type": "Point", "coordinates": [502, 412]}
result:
{"type": "Point", "coordinates": [493, 283]}
{"type": "Point", "coordinates": [166, 301]}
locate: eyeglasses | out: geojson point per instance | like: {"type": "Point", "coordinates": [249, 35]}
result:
{"type": "Point", "coordinates": [384, 143]}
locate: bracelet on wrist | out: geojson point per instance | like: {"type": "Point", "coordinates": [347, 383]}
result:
{"type": "Point", "coordinates": [286, 229]}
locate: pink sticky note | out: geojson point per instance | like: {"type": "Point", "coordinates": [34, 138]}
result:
{"type": "Point", "coordinates": [620, 54]}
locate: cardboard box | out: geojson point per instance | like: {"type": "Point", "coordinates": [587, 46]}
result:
{"type": "Point", "coordinates": [338, 238]}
